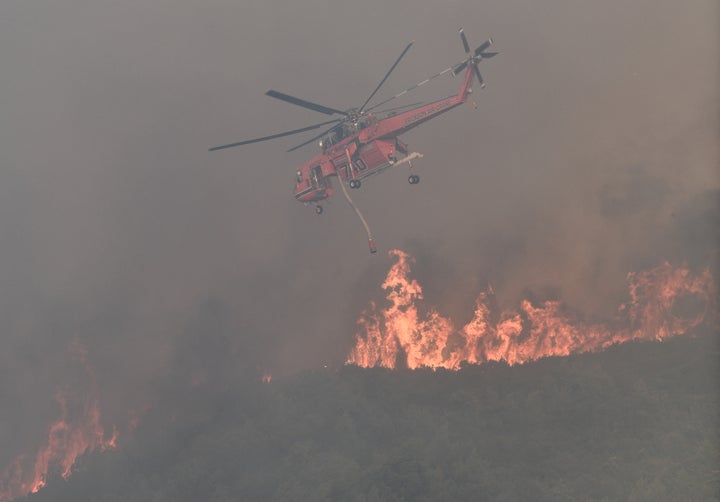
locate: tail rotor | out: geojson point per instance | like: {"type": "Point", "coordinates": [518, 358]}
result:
{"type": "Point", "coordinates": [474, 57]}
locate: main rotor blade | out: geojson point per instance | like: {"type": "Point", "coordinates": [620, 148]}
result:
{"type": "Point", "coordinates": [305, 104]}
{"type": "Point", "coordinates": [273, 136]}
{"type": "Point", "coordinates": [466, 45]}
{"type": "Point", "coordinates": [487, 43]}
{"type": "Point", "coordinates": [488, 55]}
{"type": "Point", "coordinates": [315, 137]}
{"type": "Point", "coordinates": [385, 77]}
{"type": "Point", "coordinates": [405, 91]}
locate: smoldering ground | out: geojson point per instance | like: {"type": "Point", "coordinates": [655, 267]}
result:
{"type": "Point", "coordinates": [593, 152]}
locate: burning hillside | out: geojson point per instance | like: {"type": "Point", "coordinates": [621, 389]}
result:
{"type": "Point", "coordinates": [665, 301]}
{"type": "Point", "coordinates": [78, 430]}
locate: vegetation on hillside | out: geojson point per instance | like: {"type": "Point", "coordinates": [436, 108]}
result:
{"type": "Point", "coordinates": [637, 422]}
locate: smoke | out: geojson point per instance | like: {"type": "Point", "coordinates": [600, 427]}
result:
{"type": "Point", "coordinates": [593, 152]}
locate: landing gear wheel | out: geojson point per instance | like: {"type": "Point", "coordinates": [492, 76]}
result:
{"type": "Point", "coordinates": [355, 184]}
{"type": "Point", "coordinates": [414, 179]}
{"type": "Point", "coordinates": [318, 209]}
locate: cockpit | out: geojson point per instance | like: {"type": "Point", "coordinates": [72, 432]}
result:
{"type": "Point", "coordinates": [346, 129]}
{"type": "Point", "coordinates": [311, 184]}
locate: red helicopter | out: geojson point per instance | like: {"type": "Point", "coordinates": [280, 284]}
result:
{"type": "Point", "coordinates": [359, 144]}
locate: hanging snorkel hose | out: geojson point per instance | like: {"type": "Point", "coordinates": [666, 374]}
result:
{"type": "Point", "coordinates": [371, 242]}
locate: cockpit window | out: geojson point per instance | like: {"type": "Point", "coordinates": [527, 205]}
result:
{"type": "Point", "coordinates": [316, 177]}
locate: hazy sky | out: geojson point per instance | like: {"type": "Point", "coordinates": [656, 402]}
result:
{"type": "Point", "coordinates": [593, 152]}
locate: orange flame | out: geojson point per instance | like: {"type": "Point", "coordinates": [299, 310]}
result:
{"type": "Point", "coordinates": [68, 438]}
{"type": "Point", "coordinates": [399, 331]}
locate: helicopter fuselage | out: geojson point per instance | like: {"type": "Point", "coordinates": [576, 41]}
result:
{"type": "Point", "coordinates": [369, 150]}
{"type": "Point", "coordinates": [357, 144]}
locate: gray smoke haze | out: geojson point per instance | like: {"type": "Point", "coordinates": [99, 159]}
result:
{"type": "Point", "coordinates": [594, 151]}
